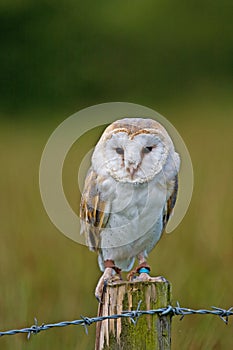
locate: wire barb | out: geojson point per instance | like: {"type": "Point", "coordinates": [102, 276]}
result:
{"type": "Point", "coordinates": [135, 314]}
{"type": "Point", "coordinates": [86, 322]}
{"type": "Point", "coordinates": [34, 329]}
{"type": "Point", "coordinates": [132, 315]}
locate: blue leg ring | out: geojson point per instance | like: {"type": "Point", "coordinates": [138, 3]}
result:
{"type": "Point", "coordinates": [144, 269]}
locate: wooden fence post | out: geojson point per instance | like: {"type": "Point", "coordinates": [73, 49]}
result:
{"type": "Point", "coordinates": [150, 331]}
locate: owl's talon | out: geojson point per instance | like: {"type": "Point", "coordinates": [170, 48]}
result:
{"type": "Point", "coordinates": [159, 279]}
{"type": "Point", "coordinates": [98, 299]}
{"type": "Point", "coordinates": [100, 290]}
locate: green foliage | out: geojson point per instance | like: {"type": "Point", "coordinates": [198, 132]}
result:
{"type": "Point", "coordinates": [60, 54]}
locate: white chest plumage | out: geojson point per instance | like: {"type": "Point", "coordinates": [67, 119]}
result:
{"type": "Point", "coordinates": [135, 221]}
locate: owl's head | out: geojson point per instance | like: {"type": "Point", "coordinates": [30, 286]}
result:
{"type": "Point", "coordinates": [135, 150]}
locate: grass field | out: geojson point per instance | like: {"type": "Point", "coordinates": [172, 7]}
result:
{"type": "Point", "coordinates": [45, 275]}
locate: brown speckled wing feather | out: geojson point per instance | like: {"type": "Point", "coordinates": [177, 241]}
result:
{"type": "Point", "coordinates": [170, 203]}
{"type": "Point", "coordinates": [92, 214]}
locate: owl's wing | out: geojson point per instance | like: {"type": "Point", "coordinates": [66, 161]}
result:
{"type": "Point", "coordinates": [170, 203]}
{"type": "Point", "coordinates": [92, 211]}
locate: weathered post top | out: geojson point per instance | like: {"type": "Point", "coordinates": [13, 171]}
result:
{"type": "Point", "coordinates": [150, 331]}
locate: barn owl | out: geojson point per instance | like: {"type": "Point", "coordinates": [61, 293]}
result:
{"type": "Point", "coordinates": [129, 194]}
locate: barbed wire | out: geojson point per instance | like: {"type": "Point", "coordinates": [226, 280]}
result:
{"type": "Point", "coordinates": [132, 315]}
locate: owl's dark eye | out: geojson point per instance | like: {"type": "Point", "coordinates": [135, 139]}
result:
{"type": "Point", "coordinates": [119, 150]}
{"type": "Point", "coordinates": [147, 149]}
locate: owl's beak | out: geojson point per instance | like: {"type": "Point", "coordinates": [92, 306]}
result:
{"type": "Point", "coordinates": [131, 169]}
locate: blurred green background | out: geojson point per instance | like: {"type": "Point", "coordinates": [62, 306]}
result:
{"type": "Point", "coordinates": [58, 57]}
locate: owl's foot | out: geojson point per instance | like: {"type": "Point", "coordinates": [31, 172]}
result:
{"type": "Point", "coordinates": [99, 290]}
{"type": "Point", "coordinates": [143, 277]}
{"type": "Point", "coordinates": [109, 275]}
{"type": "Point", "coordinates": [141, 269]}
